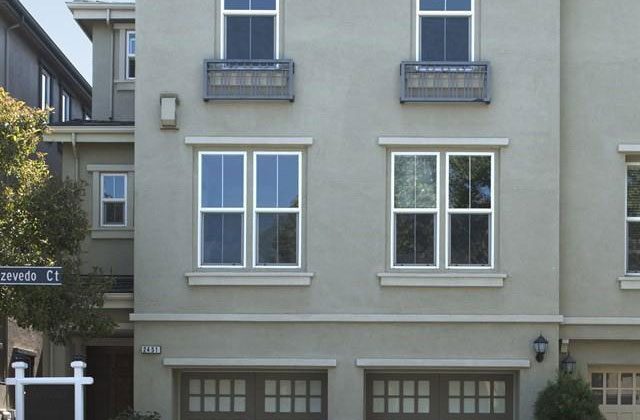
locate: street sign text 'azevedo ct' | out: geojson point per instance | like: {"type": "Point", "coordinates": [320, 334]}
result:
{"type": "Point", "coordinates": [30, 276]}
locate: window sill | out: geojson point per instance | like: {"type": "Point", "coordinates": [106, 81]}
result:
{"type": "Point", "coordinates": [277, 279]}
{"type": "Point", "coordinates": [125, 85]}
{"type": "Point", "coordinates": [123, 233]}
{"type": "Point", "coordinates": [629, 282]}
{"type": "Point", "coordinates": [442, 280]}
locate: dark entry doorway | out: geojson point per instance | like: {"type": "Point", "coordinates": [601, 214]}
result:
{"type": "Point", "coordinates": [112, 390]}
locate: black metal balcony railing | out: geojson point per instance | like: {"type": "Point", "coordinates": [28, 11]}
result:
{"type": "Point", "coordinates": [248, 80]}
{"type": "Point", "coordinates": [445, 81]}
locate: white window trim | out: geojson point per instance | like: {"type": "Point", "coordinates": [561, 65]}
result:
{"type": "Point", "coordinates": [223, 25]}
{"type": "Point", "coordinates": [490, 211]}
{"type": "Point", "coordinates": [445, 13]}
{"type": "Point", "coordinates": [45, 89]}
{"type": "Point", "coordinates": [287, 210]}
{"type": "Point", "coordinates": [65, 106]}
{"type": "Point", "coordinates": [627, 220]}
{"type": "Point", "coordinates": [243, 209]}
{"type": "Point", "coordinates": [128, 54]}
{"type": "Point", "coordinates": [113, 200]}
{"type": "Point", "coordinates": [395, 211]}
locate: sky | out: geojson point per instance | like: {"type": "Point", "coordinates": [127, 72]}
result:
{"type": "Point", "coordinates": [57, 21]}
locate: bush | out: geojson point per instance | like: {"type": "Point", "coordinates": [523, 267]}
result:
{"type": "Point", "coordinates": [567, 398]}
{"type": "Point", "coordinates": [129, 414]}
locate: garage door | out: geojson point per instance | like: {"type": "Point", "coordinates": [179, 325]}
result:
{"type": "Point", "coordinates": [408, 396]}
{"type": "Point", "coordinates": [618, 392]}
{"type": "Point", "coordinates": [254, 396]}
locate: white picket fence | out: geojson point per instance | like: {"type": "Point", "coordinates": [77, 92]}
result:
{"type": "Point", "coordinates": [78, 380]}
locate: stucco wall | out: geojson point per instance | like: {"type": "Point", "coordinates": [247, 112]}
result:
{"type": "Point", "coordinates": [599, 112]}
{"type": "Point", "coordinates": [112, 256]}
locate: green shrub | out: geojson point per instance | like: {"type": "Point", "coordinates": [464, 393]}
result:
{"type": "Point", "coordinates": [129, 414]}
{"type": "Point", "coordinates": [567, 398]}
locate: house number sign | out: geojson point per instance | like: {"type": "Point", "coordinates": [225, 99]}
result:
{"type": "Point", "coordinates": [150, 349]}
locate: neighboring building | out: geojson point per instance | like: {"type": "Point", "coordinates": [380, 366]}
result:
{"type": "Point", "coordinates": [34, 70]}
{"type": "Point", "coordinates": [367, 209]}
{"type": "Point", "coordinates": [100, 152]}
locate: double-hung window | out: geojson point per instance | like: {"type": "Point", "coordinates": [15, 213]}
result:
{"type": "Point", "coordinates": [633, 218]}
{"type": "Point", "coordinates": [250, 29]}
{"type": "Point", "coordinates": [470, 209]}
{"type": "Point", "coordinates": [65, 106]}
{"type": "Point", "coordinates": [113, 200]}
{"type": "Point", "coordinates": [415, 201]}
{"type": "Point", "coordinates": [130, 59]}
{"type": "Point", "coordinates": [45, 89]}
{"type": "Point", "coordinates": [222, 208]}
{"type": "Point", "coordinates": [277, 208]}
{"type": "Point", "coordinates": [445, 30]}
{"type": "Point", "coordinates": [467, 189]}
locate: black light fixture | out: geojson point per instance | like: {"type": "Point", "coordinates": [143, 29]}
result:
{"type": "Point", "coordinates": [540, 347]}
{"type": "Point", "coordinates": [568, 364]}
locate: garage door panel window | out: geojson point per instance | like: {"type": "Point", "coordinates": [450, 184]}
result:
{"type": "Point", "coordinates": [442, 397]}
{"type": "Point", "coordinates": [616, 388]}
{"type": "Point", "coordinates": [253, 396]}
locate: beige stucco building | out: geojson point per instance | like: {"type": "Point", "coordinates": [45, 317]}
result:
{"type": "Point", "coordinates": [367, 209]}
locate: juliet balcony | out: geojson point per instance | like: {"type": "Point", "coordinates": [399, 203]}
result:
{"type": "Point", "coordinates": [248, 80]}
{"type": "Point", "coordinates": [430, 81]}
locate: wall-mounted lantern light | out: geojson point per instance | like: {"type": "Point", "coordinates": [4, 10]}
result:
{"type": "Point", "coordinates": [540, 347]}
{"type": "Point", "coordinates": [568, 364]}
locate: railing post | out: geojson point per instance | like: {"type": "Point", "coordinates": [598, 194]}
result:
{"type": "Point", "coordinates": [19, 367]}
{"type": "Point", "coordinates": [78, 388]}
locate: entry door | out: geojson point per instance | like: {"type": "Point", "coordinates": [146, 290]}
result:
{"type": "Point", "coordinates": [418, 396]}
{"type": "Point", "coordinates": [617, 389]}
{"type": "Point", "coordinates": [112, 390]}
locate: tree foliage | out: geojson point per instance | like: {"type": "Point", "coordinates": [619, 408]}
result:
{"type": "Point", "coordinates": [42, 224]}
{"type": "Point", "coordinates": [567, 398]}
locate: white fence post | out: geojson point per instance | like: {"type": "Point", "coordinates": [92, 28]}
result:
{"type": "Point", "coordinates": [19, 367]}
{"type": "Point", "coordinates": [78, 388]}
{"type": "Point", "coordinates": [78, 381]}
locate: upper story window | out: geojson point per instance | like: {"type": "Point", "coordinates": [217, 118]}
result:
{"type": "Point", "coordinates": [415, 209]}
{"type": "Point", "coordinates": [130, 63]}
{"type": "Point", "coordinates": [45, 89]}
{"type": "Point", "coordinates": [277, 209]}
{"type": "Point", "coordinates": [250, 29]}
{"type": "Point", "coordinates": [65, 107]}
{"type": "Point", "coordinates": [113, 200]}
{"type": "Point", "coordinates": [223, 207]}
{"type": "Point", "coordinates": [445, 30]}
{"type": "Point", "coordinates": [633, 218]}
{"type": "Point", "coordinates": [469, 208]}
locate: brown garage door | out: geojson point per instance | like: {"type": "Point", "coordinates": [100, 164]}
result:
{"type": "Point", "coordinates": [254, 396]}
{"type": "Point", "coordinates": [418, 396]}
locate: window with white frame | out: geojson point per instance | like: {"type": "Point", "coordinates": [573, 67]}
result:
{"type": "Point", "coordinates": [130, 59]}
{"type": "Point", "coordinates": [249, 29]}
{"type": "Point", "coordinates": [277, 211]}
{"type": "Point", "coordinates": [113, 200]}
{"type": "Point", "coordinates": [65, 107]}
{"type": "Point", "coordinates": [222, 208]}
{"type": "Point", "coordinates": [633, 218]}
{"type": "Point", "coordinates": [445, 30]}
{"type": "Point", "coordinates": [45, 89]}
{"type": "Point", "coordinates": [415, 199]}
{"type": "Point", "coordinates": [470, 209]}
